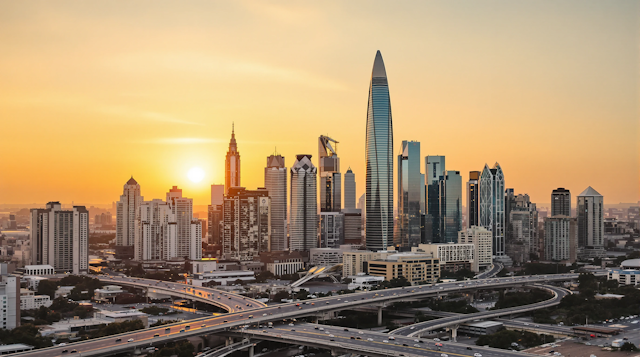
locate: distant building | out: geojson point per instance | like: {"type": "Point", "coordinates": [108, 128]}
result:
{"type": "Point", "coordinates": [126, 211]}
{"type": "Point", "coordinates": [189, 242]}
{"type": "Point", "coordinates": [450, 206]}
{"type": "Point", "coordinates": [409, 232]}
{"type": "Point", "coordinates": [560, 238]}
{"type": "Point", "coordinates": [352, 226]}
{"type": "Point", "coordinates": [214, 216]}
{"type": "Point", "coordinates": [353, 261]}
{"type": "Point", "coordinates": [223, 277]}
{"type": "Point", "coordinates": [247, 223]}
{"type": "Point", "coordinates": [275, 181]}
{"type": "Point", "coordinates": [482, 240]}
{"type": "Point", "coordinates": [283, 263]}
{"type": "Point", "coordinates": [30, 301]}
{"type": "Point", "coordinates": [590, 216]}
{"type": "Point", "coordinates": [330, 192]}
{"type": "Point", "coordinates": [349, 190]}
{"type": "Point", "coordinates": [627, 274]}
{"type": "Point", "coordinates": [492, 210]}
{"type": "Point", "coordinates": [303, 218]}
{"type": "Point", "coordinates": [39, 270]}
{"type": "Point", "coordinates": [522, 227]}
{"type": "Point", "coordinates": [415, 267]}
{"type": "Point", "coordinates": [473, 197]}
{"type": "Point", "coordinates": [452, 256]}
{"type": "Point", "coordinates": [331, 229]}
{"type": "Point", "coordinates": [561, 202]}
{"type": "Point", "coordinates": [60, 238]}
{"type": "Point", "coordinates": [157, 232]}
{"type": "Point", "coordinates": [232, 164]}
{"type": "Point", "coordinates": [435, 168]}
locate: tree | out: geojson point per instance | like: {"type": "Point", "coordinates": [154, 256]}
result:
{"type": "Point", "coordinates": [47, 287]}
{"type": "Point", "coordinates": [628, 346]}
{"type": "Point", "coordinates": [27, 334]}
{"type": "Point", "coordinates": [280, 295]}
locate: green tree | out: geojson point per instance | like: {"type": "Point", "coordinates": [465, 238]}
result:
{"type": "Point", "coordinates": [628, 346]}
{"type": "Point", "coordinates": [47, 287]}
{"type": "Point", "coordinates": [27, 334]}
{"type": "Point", "coordinates": [281, 295]}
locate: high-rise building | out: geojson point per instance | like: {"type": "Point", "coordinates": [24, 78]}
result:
{"type": "Point", "coordinates": [492, 211]}
{"type": "Point", "coordinates": [330, 177]}
{"type": "Point", "coordinates": [522, 228]}
{"type": "Point", "coordinates": [232, 164]}
{"type": "Point", "coordinates": [560, 238]}
{"type": "Point", "coordinates": [561, 202]}
{"type": "Point", "coordinates": [214, 217]}
{"type": "Point", "coordinates": [10, 300]}
{"type": "Point", "coordinates": [409, 233]}
{"type": "Point", "coordinates": [349, 190]}
{"type": "Point", "coordinates": [331, 230]}
{"type": "Point", "coordinates": [482, 240]}
{"type": "Point", "coordinates": [247, 223]}
{"type": "Point", "coordinates": [450, 206]}
{"type": "Point", "coordinates": [590, 214]}
{"type": "Point", "coordinates": [157, 232]}
{"type": "Point", "coordinates": [352, 226]}
{"type": "Point", "coordinates": [435, 168]}
{"type": "Point", "coordinates": [126, 211]}
{"type": "Point", "coordinates": [379, 160]}
{"type": "Point", "coordinates": [60, 238]}
{"type": "Point", "coordinates": [473, 193]}
{"type": "Point", "coordinates": [182, 208]}
{"type": "Point", "coordinates": [275, 180]}
{"type": "Point", "coordinates": [303, 217]}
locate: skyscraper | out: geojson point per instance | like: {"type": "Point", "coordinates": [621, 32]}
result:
{"type": "Point", "coordinates": [590, 214]}
{"type": "Point", "coordinates": [561, 202]}
{"type": "Point", "coordinates": [247, 223]}
{"type": "Point", "coordinates": [473, 192]}
{"type": "Point", "coordinates": [214, 217]}
{"type": "Point", "coordinates": [303, 218]}
{"type": "Point", "coordinates": [232, 164]}
{"type": "Point", "coordinates": [349, 190]}
{"type": "Point", "coordinates": [379, 161]}
{"type": "Point", "coordinates": [60, 238]}
{"type": "Point", "coordinates": [275, 180]}
{"type": "Point", "coordinates": [126, 211]}
{"type": "Point", "coordinates": [435, 168]}
{"type": "Point", "coordinates": [450, 206]}
{"type": "Point", "coordinates": [521, 223]}
{"type": "Point", "coordinates": [491, 212]}
{"type": "Point", "coordinates": [409, 189]}
{"type": "Point", "coordinates": [330, 177]}
{"type": "Point", "coordinates": [188, 245]}
{"type": "Point", "coordinates": [560, 238]}
{"type": "Point", "coordinates": [156, 232]}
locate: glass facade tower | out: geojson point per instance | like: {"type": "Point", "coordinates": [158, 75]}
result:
{"type": "Point", "coordinates": [492, 211]}
{"type": "Point", "coordinates": [450, 206]}
{"type": "Point", "coordinates": [410, 182]}
{"type": "Point", "coordinates": [379, 161]}
{"type": "Point", "coordinates": [434, 167]}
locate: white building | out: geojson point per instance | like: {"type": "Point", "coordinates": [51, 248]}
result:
{"type": "Point", "coordinates": [303, 219]}
{"type": "Point", "coordinates": [204, 265]}
{"type": "Point", "coordinates": [107, 293]}
{"type": "Point", "coordinates": [126, 210]}
{"type": "Point", "coordinates": [275, 181]}
{"type": "Point", "coordinates": [188, 244]}
{"type": "Point", "coordinates": [363, 281]}
{"type": "Point", "coordinates": [353, 261]}
{"type": "Point", "coordinates": [63, 291]}
{"type": "Point", "coordinates": [282, 268]}
{"type": "Point", "coordinates": [625, 276]}
{"type": "Point", "coordinates": [38, 270]}
{"type": "Point", "coordinates": [590, 215]}
{"type": "Point", "coordinates": [452, 256]}
{"type": "Point", "coordinates": [30, 301]}
{"type": "Point", "coordinates": [156, 232]}
{"type": "Point", "coordinates": [60, 238]}
{"type": "Point", "coordinates": [223, 277]}
{"type": "Point", "coordinates": [482, 240]}
{"type": "Point", "coordinates": [10, 302]}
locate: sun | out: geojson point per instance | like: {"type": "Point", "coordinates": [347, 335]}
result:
{"type": "Point", "coordinates": [195, 174]}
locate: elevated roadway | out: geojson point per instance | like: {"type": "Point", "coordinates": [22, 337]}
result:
{"type": "Point", "coordinates": [253, 314]}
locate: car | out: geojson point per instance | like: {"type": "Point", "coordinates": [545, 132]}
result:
{"type": "Point", "coordinates": [118, 340]}
{"type": "Point", "coordinates": [360, 332]}
{"type": "Point", "coordinates": [404, 344]}
{"type": "Point", "coordinates": [292, 329]}
{"type": "Point", "coordinates": [469, 348]}
{"type": "Point", "coordinates": [385, 341]}
{"type": "Point", "coordinates": [358, 338]}
{"type": "Point", "coordinates": [316, 328]}
{"type": "Point", "coordinates": [321, 329]}
{"type": "Point", "coordinates": [332, 339]}
{"type": "Point", "coordinates": [187, 327]}
{"type": "Point", "coordinates": [332, 336]}
{"type": "Point", "coordinates": [264, 314]}
{"type": "Point", "coordinates": [416, 345]}
{"type": "Point", "coordinates": [416, 340]}
{"type": "Point", "coordinates": [412, 327]}
{"type": "Point", "coordinates": [346, 329]}
{"type": "Point", "coordinates": [156, 335]}
{"type": "Point", "coordinates": [392, 338]}
{"type": "Point", "coordinates": [477, 354]}
{"type": "Point", "coordinates": [74, 351]}
{"type": "Point", "coordinates": [182, 330]}
{"type": "Point", "coordinates": [225, 321]}
{"type": "Point", "coordinates": [436, 339]}
{"type": "Point", "coordinates": [444, 355]}
{"type": "Point", "coordinates": [62, 344]}
{"type": "Point", "coordinates": [130, 340]}
{"type": "Point", "coordinates": [65, 351]}
{"type": "Point", "coordinates": [369, 339]}
{"type": "Point", "coordinates": [353, 338]}
{"type": "Point", "coordinates": [291, 325]}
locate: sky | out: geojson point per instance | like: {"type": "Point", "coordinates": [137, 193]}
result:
{"type": "Point", "coordinates": [92, 93]}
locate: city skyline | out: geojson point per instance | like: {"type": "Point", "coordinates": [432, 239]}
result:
{"type": "Point", "coordinates": [577, 94]}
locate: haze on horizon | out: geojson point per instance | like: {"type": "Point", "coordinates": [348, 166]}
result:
{"type": "Point", "coordinates": [94, 92]}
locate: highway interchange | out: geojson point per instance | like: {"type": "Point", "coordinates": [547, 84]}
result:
{"type": "Point", "coordinates": [243, 310]}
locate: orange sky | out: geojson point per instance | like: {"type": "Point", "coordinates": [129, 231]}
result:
{"type": "Point", "coordinates": [93, 92]}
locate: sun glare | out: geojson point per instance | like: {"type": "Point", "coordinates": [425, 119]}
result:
{"type": "Point", "coordinates": [195, 174]}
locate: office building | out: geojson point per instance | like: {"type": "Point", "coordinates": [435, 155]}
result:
{"type": "Point", "coordinates": [232, 164]}
{"type": "Point", "coordinates": [349, 190]}
{"type": "Point", "coordinates": [590, 214]}
{"type": "Point", "coordinates": [452, 256]}
{"type": "Point", "coordinates": [247, 223]}
{"type": "Point", "coordinates": [29, 300]}
{"type": "Point", "coordinates": [522, 228]}
{"type": "Point", "coordinates": [60, 238]}
{"type": "Point", "coordinates": [331, 229]}
{"type": "Point", "coordinates": [450, 206]}
{"type": "Point", "coordinates": [352, 226]}
{"type": "Point", "coordinates": [275, 181]}
{"type": "Point", "coordinates": [379, 160]}
{"type": "Point", "coordinates": [561, 202]}
{"type": "Point", "coordinates": [126, 211]}
{"type": "Point", "coordinates": [330, 176]}
{"type": "Point", "coordinates": [560, 238]}
{"type": "Point", "coordinates": [473, 195]}
{"type": "Point", "coordinates": [157, 232]}
{"type": "Point", "coordinates": [415, 267]}
{"type": "Point", "coordinates": [482, 240]}
{"type": "Point", "coordinates": [492, 211]}
{"type": "Point", "coordinates": [303, 217]}
{"type": "Point", "coordinates": [182, 208]}
{"type": "Point", "coordinates": [215, 218]}
{"type": "Point", "coordinates": [434, 168]}
{"type": "Point", "coordinates": [10, 302]}
{"type": "Point", "coordinates": [409, 190]}
{"type": "Point", "coordinates": [353, 261]}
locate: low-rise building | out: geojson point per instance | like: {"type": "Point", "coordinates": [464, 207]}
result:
{"type": "Point", "coordinates": [480, 328]}
{"type": "Point", "coordinates": [63, 291]}
{"type": "Point", "coordinates": [281, 263]}
{"type": "Point", "coordinates": [452, 256]}
{"type": "Point", "coordinates": [39, 270]}
{"type": "Point", "coordinates": [364, 281]}
{"type": "Point", "coordinates": [329, 256]}
{"type": "Point", "coordinates": [204, 265]}
{"type": "Point", "coordinates": [223, 277]}
{"type": "Point", "coordinates": [30, 301]}
{"type": "Point", "coordinates": [624, 276]}
{"type": "Point", "coordinates": [415, 267]}
{"type": "Point", "coordinates": [108, 293]}
{"type": "Point", "coordinates": [353, 261]}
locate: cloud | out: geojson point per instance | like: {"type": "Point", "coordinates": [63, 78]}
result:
{"type": "Point", "coordinates": [146, 115]}
{"type": "Point", "coordinates": [179, 141]}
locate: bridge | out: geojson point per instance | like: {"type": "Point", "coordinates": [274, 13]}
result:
{"type": "Point", "coordinates": [257, 314]}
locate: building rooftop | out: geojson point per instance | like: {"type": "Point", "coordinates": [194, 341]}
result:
{"type": "Point", "coordinates": [631, 263]}
{"type": "Point", "coordinates": [4, 349]}
{"type": "Point", "coordinates": [590, 192]}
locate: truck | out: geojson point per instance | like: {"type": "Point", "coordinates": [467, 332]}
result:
{"type": "Point", "coordinates": [617, 343]}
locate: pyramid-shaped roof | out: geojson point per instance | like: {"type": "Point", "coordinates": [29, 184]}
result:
{"type": "Point", "coordinates": [590, 192]}
{"type": "Point", "coordinates": [132, 181]}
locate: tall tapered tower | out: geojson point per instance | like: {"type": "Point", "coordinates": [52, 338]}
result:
{"type": "Point", "coordinates": [379, 161]}
{"type": "Point", "coordinates": [232, 164]}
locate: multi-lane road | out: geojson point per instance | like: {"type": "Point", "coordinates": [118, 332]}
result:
{"type": "Point", "coordinates": [247, 311]}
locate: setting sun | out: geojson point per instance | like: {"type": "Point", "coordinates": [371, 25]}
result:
{"type": "Point", "coordinates": [195, 174]}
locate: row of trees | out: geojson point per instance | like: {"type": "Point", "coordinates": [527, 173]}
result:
{"type": "Point", "coordinates": [506, 338]}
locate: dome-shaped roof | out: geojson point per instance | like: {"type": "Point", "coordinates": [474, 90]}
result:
{"type": "Point", "coordinates": [631, 263]}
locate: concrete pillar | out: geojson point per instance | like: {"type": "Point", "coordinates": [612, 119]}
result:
{"type": "Point", "coordinates": [379, 315]}
{"type": "Point", "coordinates": [315, 319]}
{"type": "Point", "coordinates": [251, 350]}
{"type": "Point", "coordinates": [454, 333]}
{"type": "Point", "coordinates": [229, 341]}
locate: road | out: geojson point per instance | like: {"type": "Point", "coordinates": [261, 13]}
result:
{"type": "Point", "coordinates": [241, 314]}
{"type": "Point", "coordinates": [495, 269]}
{"type": "Point", "coordinates": [416, 329]}
{"type": "Point", "coordinates": [366, 342]}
